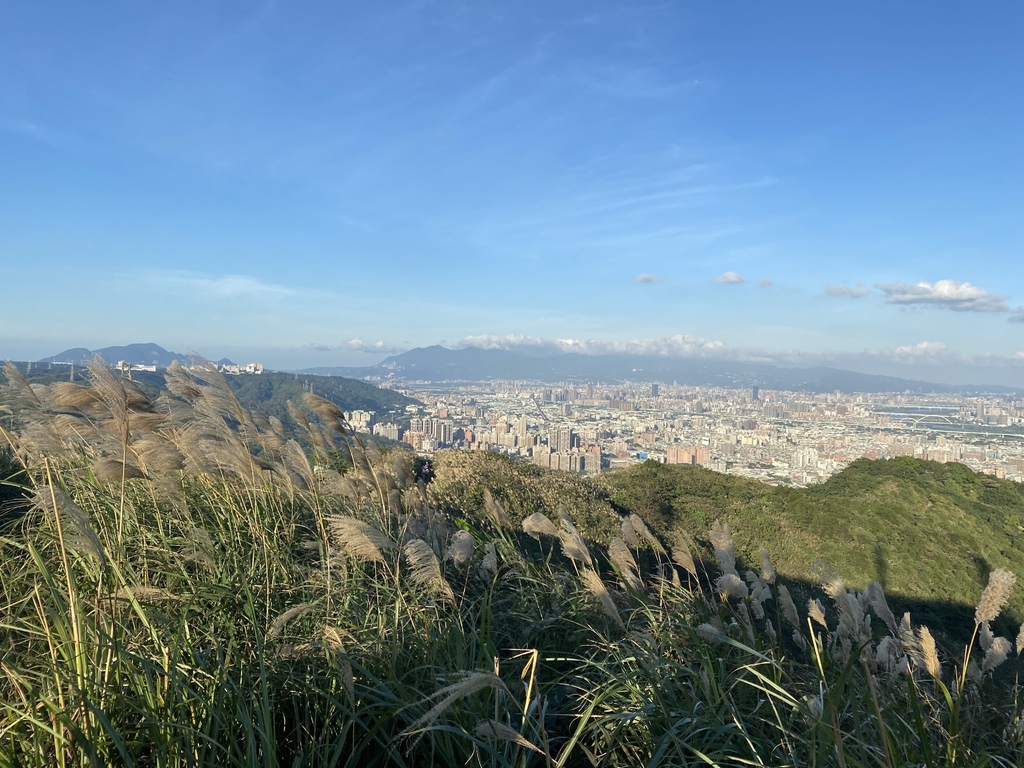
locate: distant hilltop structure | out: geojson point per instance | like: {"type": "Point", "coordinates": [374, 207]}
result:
{"type": "Point", "coordinates": [232, 369]}
{"type": "Point", "coordinates": [227, 368]}
{"type": "Point", "coordinates": [142, 357]}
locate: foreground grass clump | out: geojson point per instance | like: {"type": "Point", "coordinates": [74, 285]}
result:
{"type": "Point", "coordinates": [187, 587]}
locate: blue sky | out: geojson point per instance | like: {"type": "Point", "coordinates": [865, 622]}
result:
{"type": "Point", "coordinates": [320, 183]}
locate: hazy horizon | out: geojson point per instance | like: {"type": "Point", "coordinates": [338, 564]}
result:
{"type": "Point", "coordinates": [808, 184]}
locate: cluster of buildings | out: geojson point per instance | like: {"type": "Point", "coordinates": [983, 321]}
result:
{"type": "Point", "coordinates": [779, 437]}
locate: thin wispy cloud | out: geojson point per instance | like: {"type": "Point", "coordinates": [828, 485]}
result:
{"type": "Point", "coordinates": [214, 286]}
{"type": "Point", "coordinates": [950, 294]}
{"type": "Point", "coordinates": [765, 282]}
{"type": "Point", "coordinates": [730, 278]}
{"type": "Point", "coordinates": [680, 345]}
{"type": "Point", "coordinates": [1017, 316]}
{"type": "Point", "coordinates": [925, 353]}
{"type": "Point", "coordinates": [853, 292]}
{"type": "Point", "coordinates": [357, 345]}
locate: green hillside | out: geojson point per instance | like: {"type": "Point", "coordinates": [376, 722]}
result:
{"type": "Point", "coordinates": [923, 530]}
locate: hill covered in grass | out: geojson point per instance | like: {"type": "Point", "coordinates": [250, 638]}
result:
{"type": "Point", "coordinates": [923, 530]}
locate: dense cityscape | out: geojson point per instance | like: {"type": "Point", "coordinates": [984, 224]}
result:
{"type": "Point", "coordinates": [793, 438]}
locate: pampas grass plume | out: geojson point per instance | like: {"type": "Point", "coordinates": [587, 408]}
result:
{"type": "Point", "coordinates": [995, 596]}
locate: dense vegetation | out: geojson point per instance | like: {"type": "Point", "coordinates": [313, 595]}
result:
{"type": "Point", "coordinates": [190, 587]}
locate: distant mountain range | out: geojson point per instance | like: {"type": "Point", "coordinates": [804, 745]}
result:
{"type": "Point", "coordinates": [439, 364]}
{"type": "Point", "coordinates": [136, 354]}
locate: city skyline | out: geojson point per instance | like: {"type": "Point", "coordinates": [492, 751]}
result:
{"type": "Point", "coordinates": [312, 186]}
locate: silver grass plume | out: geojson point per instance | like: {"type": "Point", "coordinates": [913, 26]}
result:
{"type": "Point", "coordinates": [629, 534]}
{"type": "Point", "coordinates": [767, 571]}
{"type": "Point", "coordinates": [158, 455]}
{"type": "Point", "coordinates": [537, 525]}
{"type": "Point", "coordinates": [816, 612]}
{"type": "Point", "coordinates": [996, 654]}
{"type": "Point", "coordinates": [469, 684]}
{"type": "Point", "coordinates": [1020, 640]}
{"type": "Point", "coordinates": [489, 564]}
{"type": "Point", "coordinates": [277, 625]}
{"type": "Point", "coordinates": [495, 510]}
{"type": "Point", "coordinates": [109, 470]}
{"type": "Point", "coordinates": [928, 652]}
{"type": "Point", "coordinates": [682, 556]}
{"type": "Point", "coordinates": [596, 587]}
{"type": "Point", "coordinates": [789, 611]}
{"type": "Point", "coordinates": [20, 392]}
{"type": "Point", "coordinates": [330, 413]}
{"type": "Point", "coordinates": [638, 525]}
{"type": "Point", "coordinates": [492, 730]}
{"type": "Point", "coordinates": [731, 585]}
{"type": "Point", "coordinates": [876, 599]}
{"type": "Point", "coordinates": [79, 535]}
{"type": "Point", "coordinates": [424, 568]}
{"type": "Point", "coordinates": [995, 596]}
{"type": "Point", "coordinates": [985, 636]}
{"type": "Point", "coordinates": [625, 564]}
{"type": "Point", "coordinates": [461, 550]}
{"type": "Point", "coordinates": [725, 549]}
{"type": "Point", "coordinates": [572, 544]}
{"type": "Point", "coordinates": [360, 541]}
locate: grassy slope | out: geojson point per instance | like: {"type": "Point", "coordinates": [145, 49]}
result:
{"type": "Point", "coordinates": [924, 530]}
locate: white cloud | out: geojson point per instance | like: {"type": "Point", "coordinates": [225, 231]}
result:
{"type": "Point", "coordinates": [844, 290]}
{"type": "Point", "coordinates": [952, 294]}
{"type": "Point", "coordinates": [730, 278]}
{"type": "Point", "coordinates": [646, 278]}
{"type": "Point", "coordinates": [358, 345]}
{"type": "Point", "coordinates": [1017, 316]}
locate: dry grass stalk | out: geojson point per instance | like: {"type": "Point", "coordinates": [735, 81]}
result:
{"type": "Point", "coordinates": [1020, 640]}
{"type": "Point", "coordinates": [537, 525]}
{"type": "Point", "coordinates": [995, 596]}
{"type": "Point", "coordinates": [145, 595]}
